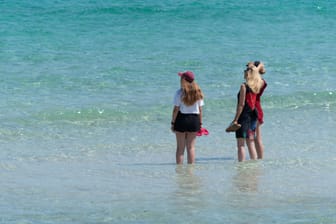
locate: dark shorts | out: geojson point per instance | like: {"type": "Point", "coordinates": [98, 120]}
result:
{"type": "Point", "coordinates": [248, 127]}
{"type": "Point", "coordinates": [187, 123]}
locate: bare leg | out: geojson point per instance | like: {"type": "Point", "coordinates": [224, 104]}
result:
{"type": "Point", "coordinates": [180, 146]}
{"type": "Point", "coordinates": [241, 149]}
{"type": "Point", "coordinates": [191, 141]}
{"type": "Point", "coordinates": [251, 148]}
{"type": "Point", "coordinates": [258, 142]}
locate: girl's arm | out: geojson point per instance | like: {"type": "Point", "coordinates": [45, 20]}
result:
{"type": "Point", "coordinates": [174, 115]}
{"type": "Point", "coordinates": [241, 103]}
{"type": "Point", "coordinates": [200, 115]}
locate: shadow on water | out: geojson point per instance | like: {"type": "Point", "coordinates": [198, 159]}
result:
{"type": "Point", "coordinates": [147, 164]}
{"type": "Point", "coordinates": [213, 159]}
{"type": "Point", "coordinates": [202, 160]}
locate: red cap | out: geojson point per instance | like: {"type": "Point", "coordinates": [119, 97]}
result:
{"type": "Point", "coordinates": [187, 75]}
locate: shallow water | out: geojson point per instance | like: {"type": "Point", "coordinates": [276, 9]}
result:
{"type": "Point", "coordinates": [87, 91]}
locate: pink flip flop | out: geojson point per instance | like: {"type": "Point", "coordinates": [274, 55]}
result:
{"type": "Point", "coordinates": [203, 131]}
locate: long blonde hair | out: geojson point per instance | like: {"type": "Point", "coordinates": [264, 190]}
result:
{"type": "Point", "coordinates": [191, 92]}
{"type": "Point", "coordinates": [253, 78]}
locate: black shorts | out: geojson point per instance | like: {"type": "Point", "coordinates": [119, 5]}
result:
{"type": "Point", "coordinates": [248, 124]}
{"type": "Point", "coordinates": [187, 122]}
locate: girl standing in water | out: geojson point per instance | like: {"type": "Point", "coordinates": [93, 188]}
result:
{"type": "Point", "coordinates": [246, 113]}
{"type": "Point", "coordinates": [258, 139]}
{"type": "Point", "coordinates": [187, 116]}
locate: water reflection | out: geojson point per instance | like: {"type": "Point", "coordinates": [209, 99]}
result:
{"type": "Point", "coordinates": [188, 195]}
{"type": "Point", "coordinates": [247, 177]}
{"type": "Point", "coordinates": [188, 184]}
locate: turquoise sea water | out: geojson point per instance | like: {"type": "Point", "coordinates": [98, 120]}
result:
{"type": "Point", "coordinates": [87, 90]}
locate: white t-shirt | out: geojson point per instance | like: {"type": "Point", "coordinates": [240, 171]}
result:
{"type": "Point", "coordinates": [193, 109]}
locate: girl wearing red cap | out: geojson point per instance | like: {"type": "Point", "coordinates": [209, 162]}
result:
{"type": "Point", "coordinates": [187, 116]}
